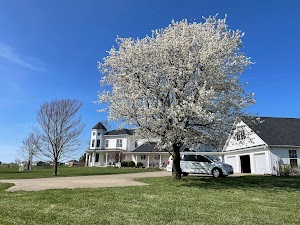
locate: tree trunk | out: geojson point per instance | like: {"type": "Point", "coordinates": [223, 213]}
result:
{"type": "Point", "coordinates": [55, 167]}
{"type": "Point", "coordinates": [176, 170]}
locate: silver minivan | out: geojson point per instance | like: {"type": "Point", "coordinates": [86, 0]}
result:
{"type": "Point", "coordinates": [201, 164]}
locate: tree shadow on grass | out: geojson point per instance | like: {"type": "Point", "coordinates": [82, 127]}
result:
{"type": "Point", "coordinates": [244, 182]}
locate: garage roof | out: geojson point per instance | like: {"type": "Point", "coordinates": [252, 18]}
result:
{"type": "Point", "coordinates": [276, 131]}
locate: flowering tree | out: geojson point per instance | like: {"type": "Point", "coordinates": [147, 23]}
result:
{"type": "Point", "coordinates": [180, 86]}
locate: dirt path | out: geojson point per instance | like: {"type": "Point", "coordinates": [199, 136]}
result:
{"type": "Point", "coordinates": [117, 180]}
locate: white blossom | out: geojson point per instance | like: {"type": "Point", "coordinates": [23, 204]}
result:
{"type": "Point", "coordinates": [181, 85]}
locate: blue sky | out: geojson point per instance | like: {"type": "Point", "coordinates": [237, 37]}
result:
{"type": "Point", "coordinates": [50, 49]}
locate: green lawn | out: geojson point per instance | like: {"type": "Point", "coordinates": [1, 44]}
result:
{"type": "Point", "coordinates": [42, 172]}
{"type": "Point", "coordinates": [193, 200]}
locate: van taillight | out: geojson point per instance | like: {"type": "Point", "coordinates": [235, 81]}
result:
{"type": "Point", "coordinates": [168, 162]}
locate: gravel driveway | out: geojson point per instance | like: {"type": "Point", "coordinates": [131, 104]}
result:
{"type": "Point", "coordinates": [117, 180]}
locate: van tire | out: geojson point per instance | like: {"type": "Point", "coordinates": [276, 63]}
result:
{"type": "Point", "coordinates": [217, 173]}
{"type": "Point", "coordinates": [185, 174]}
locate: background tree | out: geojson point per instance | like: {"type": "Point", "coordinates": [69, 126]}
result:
{"type": "Point", "coordinates": [180, 86]}
{"type": "Point", "coordinates": [29, 149]}
{"type": "Point", "coordinates": [60, 129]}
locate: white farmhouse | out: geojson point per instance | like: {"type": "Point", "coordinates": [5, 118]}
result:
{"type": "Point", "coordinates": [109, 148]}
{"type": "Point", "coordinates": [260, 144]}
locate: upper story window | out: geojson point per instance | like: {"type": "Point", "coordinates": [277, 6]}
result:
{"type": "Point", "coordinates": [119, 143]}
{"type": "Point", "coordinates": [98, 144]}
{"type": "Point", "coordinates": [106, 143]}
{"type": "Point", "coordinates": [93, 143]}
{"type": "Point", "coordinates": [94, 133]}
{"type": "Point", "coordinates": [136, 144]}
{"type": "Point", "coordinates": [98, 133]}
{"type": "Point", "coordinates": [293, 157]}
{"type": "Point", "coordinates": [240, 135]}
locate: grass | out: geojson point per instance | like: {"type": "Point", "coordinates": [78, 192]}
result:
{"type": "Point", "coordinates": [193, 200]}
{"type": "Point", "coordinates": [43, 172]}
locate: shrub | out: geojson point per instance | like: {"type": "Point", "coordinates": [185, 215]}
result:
{"type": "Point", "coordinates": [131, 164]}
{"type": "Point", "coordinates": [124, 164]}
{"type": "Point", "coordinates": [139, 164]}
{"type": "Point", "coordinates": [288, 170]}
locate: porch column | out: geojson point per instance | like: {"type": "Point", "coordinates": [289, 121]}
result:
{"type": "Point", "coordinates": [119, 164]}
{"type": "Point", "coordinates": [93, 159]}
{"type": "Point", "coordinates": [89, 159]}
{"type": "Point", "coordinates": [106, 159]}
{"type": "Point", "coordinates": [86, 159]}
{"type": "Point", "coordinates": [148, 164]}
{"type": "Point", "coordinates": [136, 159]}
{"type": "Point", "coordinates": [159, 160]}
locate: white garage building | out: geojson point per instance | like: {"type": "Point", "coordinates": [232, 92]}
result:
{"type": "Point", "coordinates": [260, 144]}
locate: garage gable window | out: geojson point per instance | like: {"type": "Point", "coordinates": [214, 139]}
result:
{"type": "Point", "coordinates": [293, 157]}
{"type": "Point", "coordinates": [240, 135]}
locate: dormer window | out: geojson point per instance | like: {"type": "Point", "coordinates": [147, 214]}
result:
{"type": "Point", "coordinates": [240, 135]}
{"type": "Point", "coordinates": [119, 143]}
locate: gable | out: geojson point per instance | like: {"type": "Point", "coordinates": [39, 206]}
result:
{"type": "Point", "coordinates": [248, 138]}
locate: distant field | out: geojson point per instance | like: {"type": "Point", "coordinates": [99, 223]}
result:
{"type": "Point", "coordinates": [193, 200]}
{"type": "Point", "coordinates": [42, 172]}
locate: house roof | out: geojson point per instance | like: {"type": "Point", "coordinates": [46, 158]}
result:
{"type": "Point", "coordinates": [119, 132]}
{"type": "Point", "coordinates": [276, 131]}
{"type": "Point", "coordinates": [99, 126]}
{"type": "Point", "coordinates": [148, 147]}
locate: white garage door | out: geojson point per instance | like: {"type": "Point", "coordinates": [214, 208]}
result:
{"type": "Point", "coordinates": [232, 161]}
{"type": "Point", "coordinates": [260, 163]}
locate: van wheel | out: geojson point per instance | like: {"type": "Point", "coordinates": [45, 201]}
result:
{"type": "Point", "coordinates": [185, 174]}
{"type": "Point", "coordinates": [216, 172]}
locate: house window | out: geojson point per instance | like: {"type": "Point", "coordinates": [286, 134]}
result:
{"type": "Point", "coordinates": [97, 157]}
{"type": "Point", "coordinates": [119, 143]}
{"type": "Point", "coordinates": [106, 143]}
{"type": "Point", "coordinates": [94, 133]}
{"type": "Point", "coordinates": [143, 156]}
{"type": "Point", "coordinates": [98, 143]}
{"type": "Point", "coordinates": [240, 135]}
{"type": "Point", "coordinates": [293, 157]}
{"type": "Point", "coordinates": [156, 157]}
{"type": "Point", "coordinates": [136, 144]}
{"type": "Point", "coordinates": [93, 143]}
{"type": "Point", "coordinates": [98, 134]}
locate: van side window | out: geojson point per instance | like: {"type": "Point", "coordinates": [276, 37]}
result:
{"type": "Point", "coordinates": [190, 158]}
{"type": "Point", "coordinates": [201, 158]}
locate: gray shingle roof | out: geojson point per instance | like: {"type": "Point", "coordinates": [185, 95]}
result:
{"type": "Point", "coordinates": [99, 126]}
{"type": "Point", "coordinates": [276, 131]}
{"type": "Point", "coordinates": [119, 132]}
{"type": "Point", "coordinates": [148, 147]}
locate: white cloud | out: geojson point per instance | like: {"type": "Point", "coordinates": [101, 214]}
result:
{"type": "Point", "coordinates": [8, 53]}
